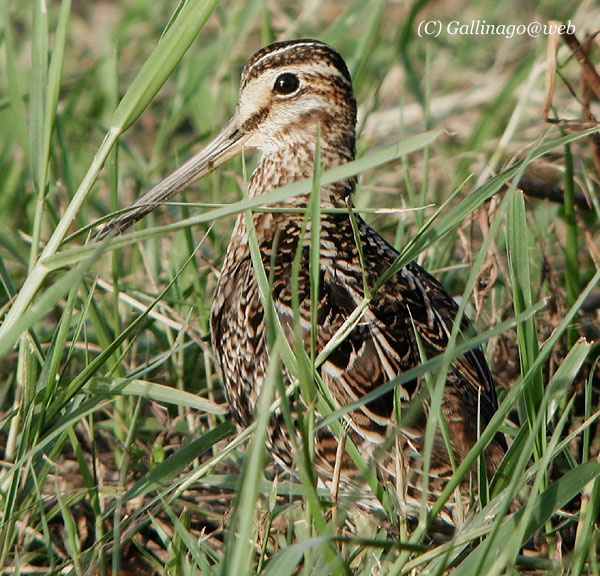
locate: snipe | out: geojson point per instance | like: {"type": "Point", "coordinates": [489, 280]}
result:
{"type": "Point", "coordinates": [292, 93]}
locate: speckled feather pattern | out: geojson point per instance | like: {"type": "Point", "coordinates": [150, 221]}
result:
{"type": "Point", "coordinates": [411, 307]}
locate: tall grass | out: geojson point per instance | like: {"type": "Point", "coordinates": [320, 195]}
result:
{"type": "Point", "coordinates": [117, 449]}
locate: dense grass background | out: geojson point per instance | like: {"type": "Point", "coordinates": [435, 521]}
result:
{"type": "Point", "coordinates": [117, 451]}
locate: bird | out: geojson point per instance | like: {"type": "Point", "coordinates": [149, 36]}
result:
{"type": "Point", "coordinates": [292, 95]}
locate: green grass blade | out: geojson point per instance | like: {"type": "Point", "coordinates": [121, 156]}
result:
{"type": "Point", "coordinates": [46, 301]}
{"type": "Point", "coordinates": [15, 98]}
{"type": "Point", "coordinates": [169, 468]}
{"type": "Point", "coordinates": [37, 91]}
{"type": "Point", "coordinates": [586, 528]}
{"type": "Point", "coordinates": [174, 43]}
{"type": "Point", "coordinates": [152, 391]}
{"type": "Point", "coordinates": [554, 497]}
{"type": "Point", "coordinates": [286, 562]}
{"type": "Point", "coordinates": [518, 257]}
{"type": "Point", "coordinates": [45, 87]}
{"type": "Point", "coordinates": [242, 535]}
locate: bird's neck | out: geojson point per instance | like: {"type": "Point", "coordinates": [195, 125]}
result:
{"type": "Point", "coordinates": [277, 169]}
{"type": "Point", "coordinates": [297, 162]}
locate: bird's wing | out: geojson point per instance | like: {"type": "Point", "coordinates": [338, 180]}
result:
{"type": "Point", "coordinates": [409, 313]}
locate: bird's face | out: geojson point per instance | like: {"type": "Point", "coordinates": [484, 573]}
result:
{"type": "Point", "coordinates": [288, 92]}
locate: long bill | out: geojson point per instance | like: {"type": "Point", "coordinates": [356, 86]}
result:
{"type": "Point", "coordinates": [227, 144]}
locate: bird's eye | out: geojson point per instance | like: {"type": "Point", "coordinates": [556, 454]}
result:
{"type": "Point", "coordinates": [286, 84]}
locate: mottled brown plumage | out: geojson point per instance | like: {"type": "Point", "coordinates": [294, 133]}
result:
{"type": "Point", "coordinates": [290, 94]}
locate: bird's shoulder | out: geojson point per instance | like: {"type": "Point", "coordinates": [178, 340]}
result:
{"type": "Point", "coordinates": [409, 316]}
